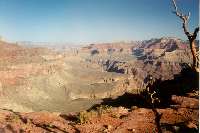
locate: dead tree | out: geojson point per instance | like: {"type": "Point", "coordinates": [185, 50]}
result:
{"type": "Point", "coordinates": [191, 36]}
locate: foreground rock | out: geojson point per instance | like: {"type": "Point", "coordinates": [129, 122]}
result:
{"type": "Point", "coordinates": [183, 117]}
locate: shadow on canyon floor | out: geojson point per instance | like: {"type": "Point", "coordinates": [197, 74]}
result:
{"type": "Point", "coordinates": [182, 84]}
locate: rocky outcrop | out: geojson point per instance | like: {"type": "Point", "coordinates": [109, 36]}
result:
{"type": "Point", "coordinates": [167, 43]}
{"type": "Point", "coordinates": [110, 48]}
{"type": "Point", "coordinates": [162, 58]}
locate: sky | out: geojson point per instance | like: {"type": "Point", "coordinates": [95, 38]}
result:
{"type": "Point", "coordinates": [93, 20]}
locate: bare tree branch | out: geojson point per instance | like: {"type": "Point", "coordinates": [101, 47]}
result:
{"type": "Point", "coordinates": [195, 32]}
{"type": "Point", "coordinates": [174, 4]}
{"type": "Point", "coordinates": [188, 16]}
{"type": "Point", "coordinates": [191, 36]}
{"type": "Point", "coordinates": [184, 18]}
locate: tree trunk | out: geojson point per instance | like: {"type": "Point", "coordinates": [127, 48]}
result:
{"type": "Point", "coordinates": [195, 64]}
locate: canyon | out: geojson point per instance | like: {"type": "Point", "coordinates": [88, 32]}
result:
{"type": "Point", "coordinates": [37, 78]}
{"type": "Point", "coordinates": [72, 79]}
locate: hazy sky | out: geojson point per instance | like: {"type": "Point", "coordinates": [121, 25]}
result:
{"type": "Point", "coordinates": [92, 20]}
